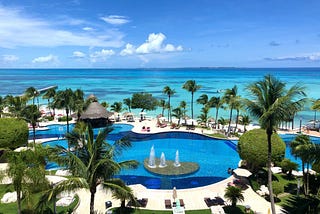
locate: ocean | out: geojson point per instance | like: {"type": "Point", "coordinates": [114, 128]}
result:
{"type": "Point", "coordinates": [114, 85]}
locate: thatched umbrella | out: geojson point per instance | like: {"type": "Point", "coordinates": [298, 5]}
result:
{"type": "Point", "coordinates": [96, 115]}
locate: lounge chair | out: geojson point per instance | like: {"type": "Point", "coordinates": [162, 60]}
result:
{"type": "Point", "coordinates": [181, 203]}
{"type": "Point", "coordinates": [143, 202]}
{"type": "Point", "coordinates": [167, 203]}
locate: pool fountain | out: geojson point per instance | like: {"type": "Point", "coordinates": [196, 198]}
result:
{"type": "Point", "coordinates": [152, 161]}
{"type": "Point", "coordinates": [162, 160]}
{"type": "Point", "coordinates": [176, 161]}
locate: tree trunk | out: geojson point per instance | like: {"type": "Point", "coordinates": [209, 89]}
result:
{"type": "Point", "coordinates": [304, 179]}
{"type": "Point", "coordinates": [229, 127]}
{"type": "Point", "coordinates": [192, 107]}
{"type": "Point", "coordinates": [19, 201]}
{"type": "Point", "coordinates": [216, 122]}
{"type": "Point", "coordinates": [34, 135]}
{"type": "Point", "coordinates": [237, 120]}
{"type": "Point", "coordinates": [169, 111]}
{"type": "Point", "coordinates": [273, 209]}
{"type": "Point", "coordinates": [93, 191]}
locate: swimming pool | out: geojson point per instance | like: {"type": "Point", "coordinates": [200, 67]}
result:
{"type": "Point", "coordinates": [214, 157]}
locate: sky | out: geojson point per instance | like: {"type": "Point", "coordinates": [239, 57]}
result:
{"type": "Point", "coordinates": [159, 34]}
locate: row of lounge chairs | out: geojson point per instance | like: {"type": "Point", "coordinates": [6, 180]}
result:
{"type": "Point", "coordinates": [214, 201]}
{"type": "Point", "coordinates": [169, 205]}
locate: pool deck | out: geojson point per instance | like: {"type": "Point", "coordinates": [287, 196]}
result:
{"type": "Point", "coordinates": [193, 198]}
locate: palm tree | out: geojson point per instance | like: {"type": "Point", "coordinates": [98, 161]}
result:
{"type": "Point", "coordinates": [15, 104]}
{"type": "Point", "coordinates": [217, 103]}
{"type": "Point", "coordinates": [237, 106]}
{"type": "Point", "coordinates": [31, 93]}
{"type": "Point", "coordinates": [316, 107]}
{"type": "Point", "coordinates": [127, 102]}
{"type": "Point", "coordinates": [300, 147]}
{"type": "Point", "coordinates": [178, 113]}
{"type": "Point", "coordinates": [223, 122]}
{"type": "Point", "coordinates": [50, 93]}
{"type": "Point", "coordinates": [234, 194]}
{"type": "Point", "coordinates": [65, 99]}
{"type": "Point", "coordinates": [245, 120]}
{"type": "Point", "coordinates": [123, 194]}
{"type": "Point", "coordinates": [168, 91]}
{"type": "Point", "coordinates": [2, 105]}
{"type": "Point", "coordinates": [183, 105]}
{"type": "Point", "coordinates": [270, 103]}
{"type": "Point", "coordinates": [203, 118]}
{"type": "Point", "coordinates": [79, 103]}
{"type": "Point", "coordinates": [116, 107]}
{"type": "Point", "coordinates": [94, 163]}
{"type": "Point", "coordinates": [27, 170]}
{"type": "Point", "coordinates": [163, 105]}
{"type": "Point", "coordinates": [230, 97]}
{"type": "Point", "coordinates": [203, 99]}
{"type": "Point", "coordinates": [31, 114]}
{"type": "Point", "coordinates": [192, 87]}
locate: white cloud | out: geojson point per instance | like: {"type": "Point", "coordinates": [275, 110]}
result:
{"type": "Point", "coordinates": [115, 20]}
{"type": "Point", "coordinates": [9, 58]}
{"type": "Point", "coordinates": [20, 30]}
{"type": "Point", "coordinates": [78, 54]}
{"type": "Point", "coordinates": [45, 59]}
{"type": "Point", "coordinates": [302, 57]}
{"type": "Point", "coordinates": [101, 55]}
{"type": "Point", "coordinates": [154, 44]}
{"type": "Point", "coordinates": [87, 29]}
{"type": "Point", "coordinates": [129, 50]}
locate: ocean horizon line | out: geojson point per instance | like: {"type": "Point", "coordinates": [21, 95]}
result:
{"type": "Point", "coordinates": [164, 68]}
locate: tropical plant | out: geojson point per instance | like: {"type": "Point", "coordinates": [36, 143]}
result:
{"type": "Point", "coordinates": [203, 99]}
{"type": "Point", "coordinates": [234, 194]}
{"type": "Point", "coordinates": [163, 105]}
{"type": "Point", "coordinates": [65, 100]}
{"type": "Point", "coordinates": [191, 86]}
{"type": "Point", "coordinates": [203, 118]}
{"type": "Point", "coordinates": [315, 107]}
{"type": "Point", "coordinates": [301, 147]}
{"type": "Point", "coordinates": [128, 103]}
{"type": "Point", "coordinates": [270, 102]}
{"type": "Point", "coordinates": [216, 102]}
{"type": "Point", "coordinates": [222, 122]}
{"type": "Point", "coordinates": [144, 100]}
{"type": "Point", "coordinates": [31, 114]}
{"type": "Point", "coordinates": [277, 188]}
{"type": "Point", "coordinates": [178, 113]}
{"type": "Point", "coordinates": [170, 92]}
{"type": "Point", "coordinates": [27, 171]}
{"type": "Point", "coordinates": [116, 107]}
{"type": "Point", "coordinates": [94, 163]}
{"type": "Point", "coordinates": [231, 97]}
{"type": "Point", "coordinates": [31, 93]}
{"type": "Point", "coordinates": [79, 103]}
{"type": "Point", "coordinates": [123, 194]}
{"type": "Point", "coordinates": [183, 105]}
{"type": "Point", "coordinates": [245, 120]}
{"type": "Point", "coordinates": [2, 105]}
{"type": "Point", "coordinates": [49, 94]}
{"type": "Point", "coordinates": [287, 166]}
{"type": "Point", "coordinates": [15, 104]}
{"type": "Point", "coordinates": [253, 148]}
{"type": "Point", "coordinates": [14, 133]}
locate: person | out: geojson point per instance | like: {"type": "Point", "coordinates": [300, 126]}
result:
{"type": "Point", "coordinates": [229, 170]}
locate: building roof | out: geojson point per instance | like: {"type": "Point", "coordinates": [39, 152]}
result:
{"type": "Point", "coordinates": [95, 111]}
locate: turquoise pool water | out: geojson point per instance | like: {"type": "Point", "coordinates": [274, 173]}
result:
{"type": "Point", "coordinates": [214, 157]}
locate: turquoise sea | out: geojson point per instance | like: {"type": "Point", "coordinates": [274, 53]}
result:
{"type": "Point", "coordinates": [112, 85]}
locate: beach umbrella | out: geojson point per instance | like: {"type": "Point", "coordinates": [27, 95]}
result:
{"type": "Point", "coordinates": [242, 172]}
{"type": "Point", "coordinates": [174, 193]}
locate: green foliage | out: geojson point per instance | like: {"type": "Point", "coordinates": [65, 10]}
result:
{"type": "Point", "coordinates": [143, 100]}
{"type": "Point", "coordinates": [253, 147]}
{"type": "Point", "coordinates": [234, 194]}
{"type": "Point", "coordinates": [13, 133]}
{"type": "Point", "coordinates": [49, 118]}
{"type": "Point", "coordinates": [287, 166]}
{"type": "Point", "coordinates": [277, 187]}
{"type": "Point", "coordinates": [64, 119]}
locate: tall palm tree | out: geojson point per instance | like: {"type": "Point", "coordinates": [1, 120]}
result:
{"type": "Point", "coordinates": [50, 93]}
{"type": "Point", "coordinates": [163, 105]}
{"type": "Point", "coordinates": [116, 107]}
{"type": "Point", "coordinates": [94, 163]}
{"type": "Point", "coordinates": [300, 147]}
{"type": "Point", "coordinates": [203, 118]}
{"type": "Point", "coordinates": [31, 114]}
{"type": "Point", "coordinates": [65, 100]}
{"type": "Point", "coordinates": [245, 120]}
{"type": "Point", "coordinates": [315, 107]}
{"type": "Point", "coordinates": [27, 170]}
{"type": "Point", "coordinates": [216, 102]}
{"type": "Point", "coordinates": [270, 101]}
{"type": "Point", "coordinates": [79, 102]}
{"type": "Point", "coordinates": [127, 102]}
{"type": "Point", "coordinates": [234, 194]}
{"type": "Point", "coordinates": [203, 99]}
{"type": "Point", "coordinates": [178, 113]}
{"type": "Point", "coordinates": [230, 97]}
{"type": "Point", "coordinates": [15, 104]}
{"type": "Point", "coordinates": [192, 87]}
{"type": "Point", "coordinates": [168, 91]}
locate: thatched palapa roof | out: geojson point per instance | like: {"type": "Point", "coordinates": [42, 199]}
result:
{"type": "Point", "coordinates": [95, 111]}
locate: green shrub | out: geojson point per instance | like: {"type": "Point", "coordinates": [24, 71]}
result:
{"type": "Point", "coordinates": [277, 188]}
{"type": "Point", "coordinates": [253, 148]}
{"type": "Point", "coordinates": [13, 133]}
{"type": "Point", "coordinates": [64, 119]}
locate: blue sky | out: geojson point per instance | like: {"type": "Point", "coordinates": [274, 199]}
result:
{"type": "Point", "coordinates": [166, 33]}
